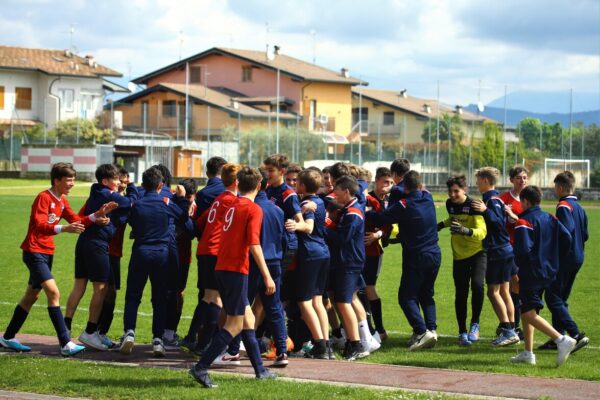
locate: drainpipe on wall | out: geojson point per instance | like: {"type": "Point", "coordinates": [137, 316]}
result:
{"type": "Point", "coordinates": [58, 100]}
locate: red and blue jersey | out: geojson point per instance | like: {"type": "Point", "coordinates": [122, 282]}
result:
{"type": "Point", "coordinates": [206, 195]}
{"type": "Point", "coordinates": [241, 229]}
{"type": "Point", "coordinates": [514, 203]}
{"type": "Point", "coordinates": [541, 243]}
{"type": "Point", "coordinates": [377, 205]}
{"type": "Point", "coordinates": [286, 198]}
{"type": "Point", "coordinates": [312, 246]}
{"type": "Point", "coordinates": [497, 241]}
{"type": "Point", "coordinates": [272, 231]}
{"type": "Point", "coordinates": [210, 224]}
{"type": "Point", "coordinates": [416, 219]}
{"type": "Point", "coordinates": [573, 217]}
{"type": "Point", "coordinates": [347, 238]}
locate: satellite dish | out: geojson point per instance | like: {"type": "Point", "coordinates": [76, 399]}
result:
{"type": "Point", "coordinates": [270, 56]}
{"type": "Point", "coordinates": [480, 107]}
{"type": "Point", "coordinates": [132, 87]}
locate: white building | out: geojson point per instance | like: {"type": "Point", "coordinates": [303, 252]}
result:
{"type": "Point", "coordinates": [46, 86]}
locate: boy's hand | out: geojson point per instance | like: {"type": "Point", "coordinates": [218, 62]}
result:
{"type": "Point", "coordinates": [180, 191]}
{"type": "Point", "coordinates": [106, 209]}
{"type": "Point", "coordinates": [478, 206]}
{"type": "Point", "coordinates": [512, 217]}
{"type": "Point", "coordinates": [75, 227]}
{"type": "Point", "coordinates": [371, 237]}
{"type": "Point", "coordinates": [290, 225]}
{"type": "Point", "coordinates": [269, 285]}
{"type": "Point", "coordinates": [102, 221]}
{"type": "Point", "coordinates": [309, 206]}
{"type": "Point", "coordinates": [457, 229]}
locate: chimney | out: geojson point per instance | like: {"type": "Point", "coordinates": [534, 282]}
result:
{"type": "Point", "coordinates": [345, 73]}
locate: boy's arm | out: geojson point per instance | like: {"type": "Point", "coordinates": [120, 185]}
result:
{"type": "Point", "coordinates": [564, 213]}
{"type": "Point", "coordinates": [257, 255]}
{"type": "Point", "coordinates": [564, 241]}
{"type": "Point", "coordinates": [253, 230]}
{"type": "Point", "coordinates": [391, 215]}
{"type": "Point", "coordinates": [494, 213]}
{"type": "Point", "coordinates": [480, 229]}
{"type": "Point", "coordinates": [305, 226]}
{"type": "Point", "coordinates": [345, 230]}
{"type": "Point", "coordinates": [523, 238]}
{"type": "Point", "coordinates": [585, 228]}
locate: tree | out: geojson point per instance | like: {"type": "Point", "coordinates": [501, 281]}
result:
{"type": "Point", "coordinates": [489, 152]}
{"type": "Point", "coordinates": [529, 130]}
{"type": "Point", "coordinates": [80, 131]}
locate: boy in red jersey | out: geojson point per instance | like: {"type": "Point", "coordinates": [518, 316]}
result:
{"type": "Point", "coordinates": [240, 237]}
{"type": "Point", "coordinates": [38, 250]}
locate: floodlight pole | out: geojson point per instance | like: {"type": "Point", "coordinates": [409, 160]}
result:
{"type": "Point", "coordinates": [360, 123]}
{"type": "Point", "coordinates": [571, 126]}
{"type": "Point", "coordinates": [187, 99]}
{"type": "Point", "coordinates": [504, 136]}
{"type": "Point", "coordinates": [437, 161]}
{"type": "Point", "coordinates": [277, 113]}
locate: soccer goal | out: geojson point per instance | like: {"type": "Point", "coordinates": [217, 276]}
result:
{"type": "Point", "coordinates": [579, 168]}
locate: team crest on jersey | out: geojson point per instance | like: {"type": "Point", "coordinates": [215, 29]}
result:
{"type": "Point", "coordinates": [52, 218]}
{"type": "Point", "coordinates": [466, 210]}
{"type": "Point", "coordinates": [52, 205]}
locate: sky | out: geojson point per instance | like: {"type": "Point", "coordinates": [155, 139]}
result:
{"type": "Point", "coordinates": [473, 48]}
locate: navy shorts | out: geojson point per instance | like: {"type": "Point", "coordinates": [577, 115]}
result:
{"type": "Point", "coordinates": [115, 272]}
{"type": "Point", "coordinates": [499, 270]}
{"type": "Point", "coordinates": [347, 282]}
{"type": "Point", "coordinates": [515, 269]}
{"type": "Point", "coordinates": [92, 260]}
{"type": "Point", "coordinates": [371, 270]}
{"type": "Point", "coordinates": [530, 299]}
{"type": "Point", "coordinates": [206, 271]}
{"type": "Point", "coordinates": [310, 279]}
{"type": "Point", "coordinates": [233, 288]}
{"type": "Point", "coordinates": [40, 268]}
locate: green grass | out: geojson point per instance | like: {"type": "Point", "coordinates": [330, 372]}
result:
{"type": "Point", "coordinates": [480, 357]}
{"type": "Point", "coordinates": [92, 380]}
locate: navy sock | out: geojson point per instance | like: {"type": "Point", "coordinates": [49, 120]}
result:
{"type": "Point", "coordinates": [91, 327]}
{"type": "Point", "coordinates": [234, 346]}
{"type": "Point", "coordinates": [106, 317]}
{"type": "Point", "coordinates": [59, 325]}
{"type": "Point", "coordinates": [217, 345]}
{"type": "Point", "coordinates": [68, 322]}
{"type": "Point", "coordinates": [515, 299]}
{"type": "Point", "coordinates": [202, 313]}
{"type": "Point", "coordinates": [377, 315]}
{"type": "Point", "coordinates": [211, 322]}
{"type": "Point", "coordinates": [249, 339]}
{"type": "Point", "coordinates": [16, 322]}
{"type": "Point", "coordinates": [192, 334]}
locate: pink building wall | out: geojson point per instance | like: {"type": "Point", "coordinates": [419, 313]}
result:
{"type": "Point", "coordinates": [226, 71]}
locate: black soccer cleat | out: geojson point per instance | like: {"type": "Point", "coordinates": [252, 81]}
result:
{"type": "Point", "coordinates": [549, 345]}
{"type": "Point", "coordinates": [582, 341]}
{"type": "Point", "coordinates": [201, 376]}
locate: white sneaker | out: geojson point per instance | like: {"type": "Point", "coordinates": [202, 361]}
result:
{"type": "Point", "coordinates": [565, 346]}
{"type": "Point", "coordinates": [158, 348]}
{"type": "Point", "coordinates": [424, 341]}
{"type": "Point", "coordinates": [412, 340]}
{"type": "Point", "coordinates": [127, 343]}
{"type": "Point", "coordinates": [227, 359]}
{"type": "Point", "coordinates": [525, 357]}
{"type": "Point", "coordinates": [377, 337]}
{"type": "Point", "coordinates": [70, 349]}
{"type": "Point", "coordinates": [435, 334]}
{"type": "Point", "coordinates": [92, 340]}
{"type": "Point", "coordinates": [371, 345]}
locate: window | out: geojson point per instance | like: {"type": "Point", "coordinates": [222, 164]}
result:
{"type": "Point", "coordinates": [247, 74]}
{"type": "Point", "coordinates": [388, 118]}
{"type": "Point", "coordinates": [169, 108]}
{"type": "Point", "coordinates": [195, 74]}
{"type": "Point", "coordinates": [66, 99]}
{"type": "Point", "coordinates": [1, 97]}
{"type": "Point", "coordinates": [23, 98]}
{"type": "Point", "coordinates": [364, 115]}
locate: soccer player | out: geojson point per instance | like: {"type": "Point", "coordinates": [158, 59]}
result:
{"type": "Point", "coordinates": [92, 261]}
{"type": "Point", "coordinates": [326, 186]}
{"type": "Point", "coordinates": [209, 224]}
{"type": "Point", "coordinates": [291, 175]}
{"type": "Point", "coordinates": [38, 251]}
{"type": "Point", "coordinates": [313, 264]}
{"type": "Point", "coordinates": [541, 242]}
{"type": "Point", "coordinates": [468, 267]}
{"type": "Point", "coordinates": [347, 237]}
{"type": "Point", "coordinates": [500, 257]}
{"type": "Point", "coordinates": [150, 221]}
{"type": "Point", "coordinates": [377, 200]}
{"type": "Point", "coordinates": [421, 257]}
{"type": "Point", "coordinates": [573, 217]}
{"type": "Point", "coordinates": [518, 176]}
{"type": "Point", "coordinates": [241, 230]}
{"type": "Point", "coordinates": [399, 168]}
{"type": "Point", "coordinates": [204, 198]}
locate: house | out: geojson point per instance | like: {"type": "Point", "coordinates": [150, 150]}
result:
{"type": "Point", "coordinates": [46, 86]}
{"type": "Point", "coordinates": [317, 98]}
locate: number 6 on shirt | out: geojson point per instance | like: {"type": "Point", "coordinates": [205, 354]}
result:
{"type": "Point", "coordinates": [213, 212]}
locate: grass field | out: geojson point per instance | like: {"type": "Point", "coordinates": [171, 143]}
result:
{"type": "Point", "coordinates": [15, 205]}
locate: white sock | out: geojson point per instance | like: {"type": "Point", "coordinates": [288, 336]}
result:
{"type": "Point", "coordinates": [169, 334]}
{"type": "Point", "coordinates": [560, 339]}
{"type": "Point", "coordinates": [363, 330]}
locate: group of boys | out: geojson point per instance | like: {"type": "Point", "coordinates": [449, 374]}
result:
{"type": "Point", "coordinates": [303, 246]}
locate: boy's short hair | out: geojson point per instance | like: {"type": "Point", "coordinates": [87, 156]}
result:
{"type": "Point", "coordinates": [313, 168]}
{"type": "Point", "coordinates": [459, 180]}
{"type": "Point", "coordinates": [311, 180]}
{"type": "Point", "coordinates": [166, 174]}
{"type": "Point", "coordinates": [490, 174]}
{"type": "Point", "coordinates": [412, 181]}
{"type": "Point", "coordinates": [326, 170]}
{"type": "Point", "coordinates": [382, 172]}
{"type": "Point", "coordinates": [229, 173]}
{"type": "Point", "coordinates": [517, 170]}
{"type": "Point", "coordinates": [106, 171]}
{"type": "Point", "coordinates": [293, 168]}
{"type": "Point", "coordinates": [400, 166]}
{"type": "Point", "coordinates": [122, 171]}
{"type": "Point", "coordinates": [339, 169]}
{"type": "Point", "coordinates": [279, 161]}
{"type": "Point", "coordinates": [532, 194]}
{"type": "Point", "coordinates": [565, 180]}
{"type": "Point", "coordinates": [213, 165]}
{"type": "Point", "coordinates": [248, 178]}
{"type": "Point", "coordinates": [347, 182]}
{"type": "Point", "coordinates": [365, 174]}
{"type": "Point", "coordinates": [265, 179]}
{"type": "Point", "coordinates": [189, 185]}
{"type": "Point", "coordinates": [61, 170]}
{"type": "Point", "coordinates": [354, 170]}
{"type": "Point", "coordinates": [151, 178]}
